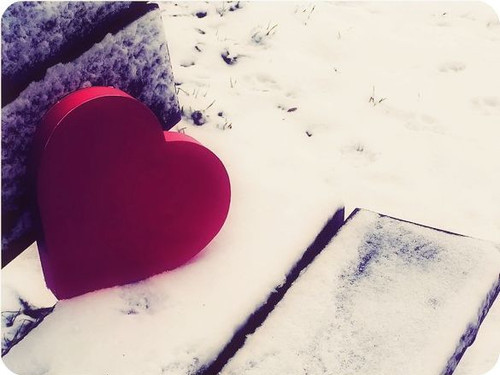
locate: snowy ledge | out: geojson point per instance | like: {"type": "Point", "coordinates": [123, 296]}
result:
{"type": "Point", "coordinates": [178, 322]}
{"type": "Point", "coordinates": [385, 297]}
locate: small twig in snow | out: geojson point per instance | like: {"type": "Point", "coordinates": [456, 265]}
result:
{"type": "Point", "coordinates": [178, 89]}
{"type": "Point", "coordinates": [211, 104]}
{"type": "Point", "coordinates": [231, 82]}
{"type": "Point", "coordinates": [373, 100]}
{"type": "Point", "coordinates": [271, 29]}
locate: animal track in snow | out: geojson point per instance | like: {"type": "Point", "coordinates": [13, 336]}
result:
{"type": "Point", "coordinates": [359, 154]}
{"type": "Point", "coordinates": [487, 104]}
{"type": "Point", "coordinates": [424, 122]}
{"type": "Point", "coordinates": [138, 299]}
{"type": "Point", "coordinates": [187, 63]}
{"type": "Point", "coordinates": [452, 66]}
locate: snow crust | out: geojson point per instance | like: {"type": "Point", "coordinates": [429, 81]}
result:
{"type": "Point", "coordinates": [24, 297]}
{"type": "Point", "coordinates": [385, 297]}
{"type": "Point", "coordinates": [423, 150]}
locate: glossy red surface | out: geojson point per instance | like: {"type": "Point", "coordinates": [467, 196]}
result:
{"type": "Point", "coordinates": [119, 199]}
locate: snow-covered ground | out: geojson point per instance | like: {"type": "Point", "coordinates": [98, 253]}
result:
{"type": "Point", "coordinates": [393, 107]}
{"type": "Point", "coordinates": [425, 148]}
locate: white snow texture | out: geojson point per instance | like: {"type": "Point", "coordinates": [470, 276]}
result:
{"type": "Point", "coordinates": [393, 107]}
{"type": "Point", "coordinates": [385, 297]}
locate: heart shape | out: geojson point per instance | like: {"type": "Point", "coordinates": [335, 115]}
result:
{"type": "Point", "coordinates": [118, 199]}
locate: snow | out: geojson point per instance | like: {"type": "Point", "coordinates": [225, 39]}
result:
{"type": "Point", "coordinates": [27, 44]}
{"type": "Point", "coordinates": [385, 297]}
{"type": "Point", "coordinates": [23, 292]}
{"type": "Point", "coordinates": [24, 278]}
{"type": "Point", "coordinates": [424, 149]}
{"type": "Point", "coordinates": [426, 153]}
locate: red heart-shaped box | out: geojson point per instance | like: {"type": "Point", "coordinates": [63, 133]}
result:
{"type": "Point", "coordinates": [118, 199]}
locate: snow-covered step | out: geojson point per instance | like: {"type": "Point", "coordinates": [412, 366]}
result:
{"type": "Point", "coordinates": [385, 297]}
{"type": "Point", "coordinates": [180, 321]}
{"type": "Point", "coordinates": [25, 299]}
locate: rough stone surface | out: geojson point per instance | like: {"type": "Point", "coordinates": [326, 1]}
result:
{"type": "Point", "coordinates": [26, 44]}
{"type": "Point", "coordinates": [135, 60]}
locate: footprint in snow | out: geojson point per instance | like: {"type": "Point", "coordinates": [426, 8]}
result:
{"type": "Point", "coordinates": [359, 154]}
{"type": "Point", "coordinates": [138, 299]}
{"type": "Point", "coordinates": [452, 66]}
{"type": "Point", "coordinates": [487, 104]}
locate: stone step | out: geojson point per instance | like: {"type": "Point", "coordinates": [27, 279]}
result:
{"type": "Point", "coordinates": [385, 297]}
